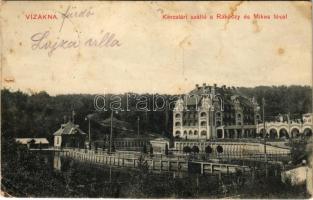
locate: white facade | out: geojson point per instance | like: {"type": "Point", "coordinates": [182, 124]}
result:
{"type": "Point", "coordinates": [57, 141]}
{"type": "Point", "coordinates": [202, 129]}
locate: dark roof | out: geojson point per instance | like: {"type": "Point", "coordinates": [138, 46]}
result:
{"type": "Point", "coordinates": [116, 123]}
{"type": "Point", "coordinates": [193, 100]}
{"type": "Point", "coordinates": [68, 129]}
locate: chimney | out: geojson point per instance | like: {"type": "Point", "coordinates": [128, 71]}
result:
{"type": "Point", "coordinates": [197, 86]}
{"type": "Point", "coordinates": [213, 89]}
{"type": "Point", "coordinates": [203, 87]}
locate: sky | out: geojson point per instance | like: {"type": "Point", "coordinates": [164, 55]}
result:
{"type": "Point", "coordinates": [153, 54]}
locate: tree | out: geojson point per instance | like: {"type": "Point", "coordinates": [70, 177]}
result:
{"type": "Point", "coordinates": [187, 149]}
{"type": "Point", "coordinates": [166, 149]}
{"type": "Point", "coordinates": [144, 149]}
{"type": "Point", "coordinates": [103, 146]}
{"type": "Point", "coordinates": [219, 149]}
{"type": "Point", "coordinates": [195, 149]}
{"type": "Point", "coordinates": [208, 150]}
{"type": "Point", "coordinates": [151, 150]}
{"type": "Point", "coordinates": [96, 147]}
{"type": "Point", "coordinates": [143, 164]}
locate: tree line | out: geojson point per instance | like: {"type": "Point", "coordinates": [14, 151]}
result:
{"type": "Point", "coordinates": [40, 114]}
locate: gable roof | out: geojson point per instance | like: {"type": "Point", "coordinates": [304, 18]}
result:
{"type": "Point", "coordinates": [69, 129]}
{"type": "Point", "coordinates": [32, 140]}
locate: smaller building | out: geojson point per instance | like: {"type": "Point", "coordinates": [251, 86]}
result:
{"type": "Point", "coordinates": [160, 145]}
{"type": "Point", "coordinates": [296, 176]}
{"type": "Point", "coordinates": [33, 143]}
{"type": "Point", "coordinates": [69, 135]}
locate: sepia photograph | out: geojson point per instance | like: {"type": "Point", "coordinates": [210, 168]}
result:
{"type": "Point", "coordinates": [156, 100]}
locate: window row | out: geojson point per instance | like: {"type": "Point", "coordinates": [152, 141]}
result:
{"type": "Point", "coordinates": [203, 123]}
{"type": "Point", "coordinates": [195, 132]}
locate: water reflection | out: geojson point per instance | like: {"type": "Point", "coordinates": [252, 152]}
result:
{"type": "Point", "coordinates": [84, 179]}
{"type": "Point", "coordinates": [57, 162]}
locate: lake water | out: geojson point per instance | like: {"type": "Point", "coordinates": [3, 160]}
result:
{"type": "Point", "coordinates": [47, 174]}
{"type": "Point", "coordinates": [90, 180]}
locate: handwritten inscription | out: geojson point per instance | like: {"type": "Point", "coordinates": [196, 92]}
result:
{"type": "Point", "coordinates": [43, 41]}
{"type": "Point", "coordinates": [72, 12]}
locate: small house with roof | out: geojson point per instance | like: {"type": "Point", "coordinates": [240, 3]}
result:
{"type": "Point", "coordinates": [160, 144]}
{"type": "Point", "coordinates": [33, 143]}
{"type": "Point", "coordinates": [69, 135]}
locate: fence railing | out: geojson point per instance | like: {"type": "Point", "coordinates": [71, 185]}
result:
{"type": "Point", "coordinates": [190, 156]}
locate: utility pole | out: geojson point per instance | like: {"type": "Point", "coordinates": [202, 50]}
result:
{"type": "Point", "coordinates": [89, 132]}
{"type": "Point", "coordinates": [111, 132]}
{"type": "Point", "coordinates": [265, 154]}
{"type": "Point", "coordinates": [73, 116]}
{"type": "Point", "coordinates": [138, 119]}
{"type": "Point", "coordinates": [288, 119]}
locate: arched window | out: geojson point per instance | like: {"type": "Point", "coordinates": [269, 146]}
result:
{"type": "Point", "coordinates": [203, 114]}
{"type": "Point", "coordinates": [177, 115]}
{"type": "Point", "coordinates": [195, 132]}
{"type": "Point", "coordinates": [273, 133]}
{"type": "Point", "coordinates": [203, 133]}
{"type": "Point", "coordinates": [307, 132]}
{"type": "Point", "coordinates": [203, 123]}
{"type": "Point", "coordinates": [295, 132]}
{"type": "Point", "coordinates": [177, 133]}
{"type": "Point", "coordinates": [177, 124]}
{"type": "Point", "coordinates": [185, 132]}
{"type": "Point", "coordinates": [239, 116]}
{"type": "Point", "coordinates": [283, 133]}
{"type": "Point", "coordinates": [190, 132]}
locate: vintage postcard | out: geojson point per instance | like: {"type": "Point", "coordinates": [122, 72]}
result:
{"type": "Point", "coordinates": [146, 99]}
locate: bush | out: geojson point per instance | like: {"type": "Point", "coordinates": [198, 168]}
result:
{"type": "Point", "coordinates": [187, 149]}
{"type": "Point", "coordinates": [195, 149]}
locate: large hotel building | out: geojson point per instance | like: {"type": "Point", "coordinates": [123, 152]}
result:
{"type": "Point", "coordinates": [210, 112]}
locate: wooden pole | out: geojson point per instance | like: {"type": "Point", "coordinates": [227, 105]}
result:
{"type": "Point", "coordinates": [111, 132]}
